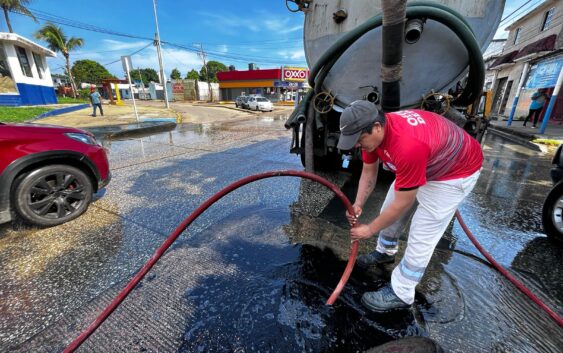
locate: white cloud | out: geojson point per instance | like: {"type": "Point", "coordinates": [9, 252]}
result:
{"type": "Point", "coordinates": [111, 44]}
{"type": "Point", "coordinates": [294, 29]}
{"type": "Point", "coordinates": [172, 58]}
{"type": "Point", "coordinates": [264, 21]}
{"type": "Point", "coordinates": [292, 54]}
{"type": "Point", "coordinates": [228, 22]}
{"type": "Point", "coordinates": [112, 50]}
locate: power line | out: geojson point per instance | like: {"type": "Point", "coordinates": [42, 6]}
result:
{"type": "Point", "coordinates": [234, 56]}
{"type": "Point", "coordinates": [76, 24]}
{"type": "Point", "coordinates": [231, 56]}
{"type": "Point", "coordinates": [133, 53]}
{"type": "Point", "coordinates": [512, 13]}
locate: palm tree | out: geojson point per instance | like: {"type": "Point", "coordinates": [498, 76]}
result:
{"type": "Point", "coordinates": [17, 6]}
{"type": "Point", "coordinates": [57, 41]}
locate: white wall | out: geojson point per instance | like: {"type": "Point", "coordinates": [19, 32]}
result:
{"type": "Point", "coordinates": [203, 91]}
{"type": "Point", "coordinates": [15, 68]}
{"type": "Point", "coordinates": [531, 30]}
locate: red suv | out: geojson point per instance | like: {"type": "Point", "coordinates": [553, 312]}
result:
{"type": "Point", "coordinates": [48, 173]}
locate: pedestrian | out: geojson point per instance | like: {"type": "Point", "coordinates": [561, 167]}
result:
{"type": "Point", "coordinates": [96, 101]}
{"type": "Point", "coordinates": [536, 106]}
{"type": "Point", "coordinates": [436, 165]}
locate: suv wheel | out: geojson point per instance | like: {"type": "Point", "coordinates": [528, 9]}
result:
{"type": "Point", "coordinates": [52, 195]}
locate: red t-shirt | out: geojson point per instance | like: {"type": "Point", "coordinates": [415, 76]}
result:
{"type": "Point", "coordinates": [421, 146]}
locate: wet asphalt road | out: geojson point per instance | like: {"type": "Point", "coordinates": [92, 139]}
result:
{"type": "Point", "coordinates": [253, 272]}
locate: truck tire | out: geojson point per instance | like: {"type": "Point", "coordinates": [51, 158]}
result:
{"type": "Point", "coordinates": [330, 162]}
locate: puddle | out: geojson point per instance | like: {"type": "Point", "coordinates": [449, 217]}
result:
{"type": "Point", "coordinates": [272, 299]}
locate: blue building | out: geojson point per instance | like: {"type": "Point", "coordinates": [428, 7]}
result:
{"type": "Point", "coordinates": [25, 78]}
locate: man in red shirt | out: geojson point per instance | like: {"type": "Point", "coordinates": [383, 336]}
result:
{"type": "Point", "coordinates": [436, 164]}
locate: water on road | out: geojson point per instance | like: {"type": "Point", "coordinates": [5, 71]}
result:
{"type": "Point", "coordinates": [253, 272]}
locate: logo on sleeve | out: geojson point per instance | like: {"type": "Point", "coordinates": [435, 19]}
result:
{"type": "Point", "coordinates": [413, 118]}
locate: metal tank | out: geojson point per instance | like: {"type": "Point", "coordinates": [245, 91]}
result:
{"type": "Point", "coordinates": [436, 61]}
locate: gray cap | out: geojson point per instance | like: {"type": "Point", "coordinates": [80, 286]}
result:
{"type": "Point", "coordinates": [357, 116]}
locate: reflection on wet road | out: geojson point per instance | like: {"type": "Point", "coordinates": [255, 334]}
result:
{"type": "Point", "coordinates": [252, 274]}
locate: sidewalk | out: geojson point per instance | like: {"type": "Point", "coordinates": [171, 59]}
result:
{"type": "Point", "coordinates": [113, 115]}
{"type": "Point", "coordinates": [526, 134]}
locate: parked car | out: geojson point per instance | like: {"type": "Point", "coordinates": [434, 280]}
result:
{"type": "Point", "coordinates": [238, 101]}
{"type": "Point", "coordinates": [260, 103]}
{"type": "Point", "coordinates": [244, 102]}
{"type": "Point", "coordinates": [552, 212]}
{"type": "Point", "coordinates": [48, 174]}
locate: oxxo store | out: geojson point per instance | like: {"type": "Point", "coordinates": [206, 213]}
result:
{"type": "Point", "coordinates": [275, 84]}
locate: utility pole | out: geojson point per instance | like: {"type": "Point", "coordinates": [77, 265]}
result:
{"type": "Point", "coordinates": [202, 55]}
{"type": "Point", "coordinates": [158, 50]}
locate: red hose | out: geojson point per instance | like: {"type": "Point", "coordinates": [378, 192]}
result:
{"type": "Point", "coordinates": [168, 242]}
{"type": "Point", "coordinates": [506, 274]}
{"type": "Point", "coordinates": [345, 276]}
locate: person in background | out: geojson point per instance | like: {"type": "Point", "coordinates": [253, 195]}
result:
{"type": "Point", "coordinates": [96, 101]}
{"type": "Point", "coordinates": [538, 100]}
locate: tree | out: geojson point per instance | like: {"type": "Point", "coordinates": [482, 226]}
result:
{"type": "Point", "coordinates": [214, 67]}
{"type": "Point", "coordinates": [192, 75]}
{"type": "Point", "coordinates": [146, 75]}
{"type": "Point", "coordinates": [16, 6]}
{"type": "Point", "coordinates": [57, 41]}
{"type": "Point", "coordinates": [175, 74]}
{"type": "Point", "coordinates": [89, 71]}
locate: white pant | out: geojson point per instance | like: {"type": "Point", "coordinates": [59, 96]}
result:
{"type": "Point", "coordinates": [437, 203]}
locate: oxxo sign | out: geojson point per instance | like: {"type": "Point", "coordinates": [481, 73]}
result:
{"type": "Point", "coordinates": [296, 74]}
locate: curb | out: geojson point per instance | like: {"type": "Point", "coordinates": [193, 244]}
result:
{"type": "Point", "coordinates": [520, 134]}
{"type": "Point", "coordinates": [231, 108]}
{"type": "Point", "coordinates": [61, 111]}
{"type": "Point", "coordinates": [517, 138]}
{"type": "Point", "coordinates": [117, 131]}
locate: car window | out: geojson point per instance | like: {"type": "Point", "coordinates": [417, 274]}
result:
{"type": "Point", "coordinates": [262, 100]}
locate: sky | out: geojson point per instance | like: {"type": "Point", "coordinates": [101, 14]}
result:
{"type": "Point", "coordinates": [234, 32]}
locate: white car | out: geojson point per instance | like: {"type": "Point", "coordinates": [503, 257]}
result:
{"type": "Point", "coordinates": [260, 103]}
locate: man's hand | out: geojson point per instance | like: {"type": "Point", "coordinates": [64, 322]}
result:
{"type": "Point", "coordinates": [361, 232]}
{"type": "Point", "coordinates": [352, 219]}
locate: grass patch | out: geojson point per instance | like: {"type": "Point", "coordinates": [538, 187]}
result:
{"type": "Point", "coordinates": [548, 142]}
{"type": "Point", "coordinates": [18, 115]}
{"type": "Point", "coordinates": [70, 100]}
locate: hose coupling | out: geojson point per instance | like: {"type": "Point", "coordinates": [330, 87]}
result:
{"type": "Point", "coordinates": [413, 30]}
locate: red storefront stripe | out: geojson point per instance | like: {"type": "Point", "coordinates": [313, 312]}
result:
{"type": "Point", "coordinates": [269, 74]}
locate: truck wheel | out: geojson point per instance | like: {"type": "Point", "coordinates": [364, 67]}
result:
{"type": "Point", "coordinates": [331, 161]}
{"type": "Point", "coordinates": [552, 214]}
{"type": "Point", "coordinates": [52, 195]}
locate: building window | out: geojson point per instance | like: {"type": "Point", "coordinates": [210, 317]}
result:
{"type": "Point", "coordinates": [517, 35]}
{"type": "Point", "coordinates": [39, 64]}
{"type": "Point", "coordinates": [7, 84]}
{"type": "Point", "coordinates": [547, 19]}
{"type": "Point", "coordinates": [24, 61]}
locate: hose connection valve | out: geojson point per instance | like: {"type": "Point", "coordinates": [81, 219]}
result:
{"type": "Point", "coordinates": [413, 30]}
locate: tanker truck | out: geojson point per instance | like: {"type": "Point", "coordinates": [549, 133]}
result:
{"type": "Point", "coordinates": [442, 67]}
